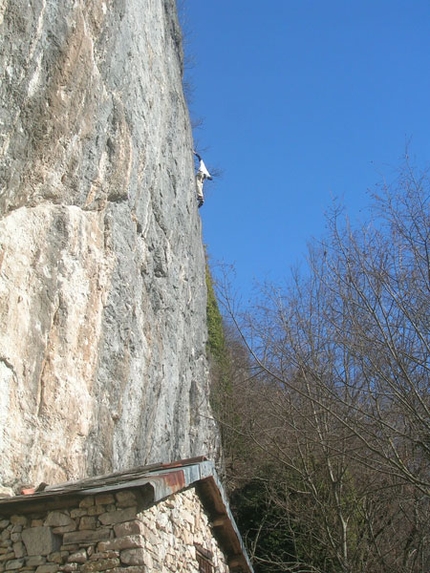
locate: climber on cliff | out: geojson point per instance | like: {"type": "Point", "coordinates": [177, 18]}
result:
{"type": "Point", "coordinates": [201, 175]}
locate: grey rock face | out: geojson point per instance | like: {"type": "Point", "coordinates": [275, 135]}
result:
{"type": "Point", "coordinates": [102, 291]}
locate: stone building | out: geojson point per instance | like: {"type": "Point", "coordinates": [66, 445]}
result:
{"type": "Point", "coordinates": [164, 517]}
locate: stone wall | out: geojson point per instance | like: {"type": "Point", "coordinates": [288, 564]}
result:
{"type": "Point", "coordinates": [108, 532]}
{"type": "Point", "coordinates": [102, 289]}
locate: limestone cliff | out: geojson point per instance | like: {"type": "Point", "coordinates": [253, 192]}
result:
{"type": "Point", "coordinates": [102, 290]}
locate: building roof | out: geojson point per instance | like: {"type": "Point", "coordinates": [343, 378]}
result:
{"type": "Point", "coordinates": [155, 483]}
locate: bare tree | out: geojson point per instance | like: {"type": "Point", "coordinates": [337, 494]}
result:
{"type": "Point", "coordinates": [340, 392]}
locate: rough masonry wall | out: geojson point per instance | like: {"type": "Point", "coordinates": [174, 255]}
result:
{"type": "Point", "coordinates": [102, 293]}
{"type": "Point", "coordinates": [107, 532]}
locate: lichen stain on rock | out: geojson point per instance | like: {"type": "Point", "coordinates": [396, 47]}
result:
{"type": "Point", "coordinates": [62, 118]}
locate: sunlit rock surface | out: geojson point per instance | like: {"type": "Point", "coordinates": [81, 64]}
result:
{"type": "Point", "coordinates": [102, 291]}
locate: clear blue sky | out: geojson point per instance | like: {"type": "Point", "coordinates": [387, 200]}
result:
{"type": "Point", "coordinates": [301, 101]}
